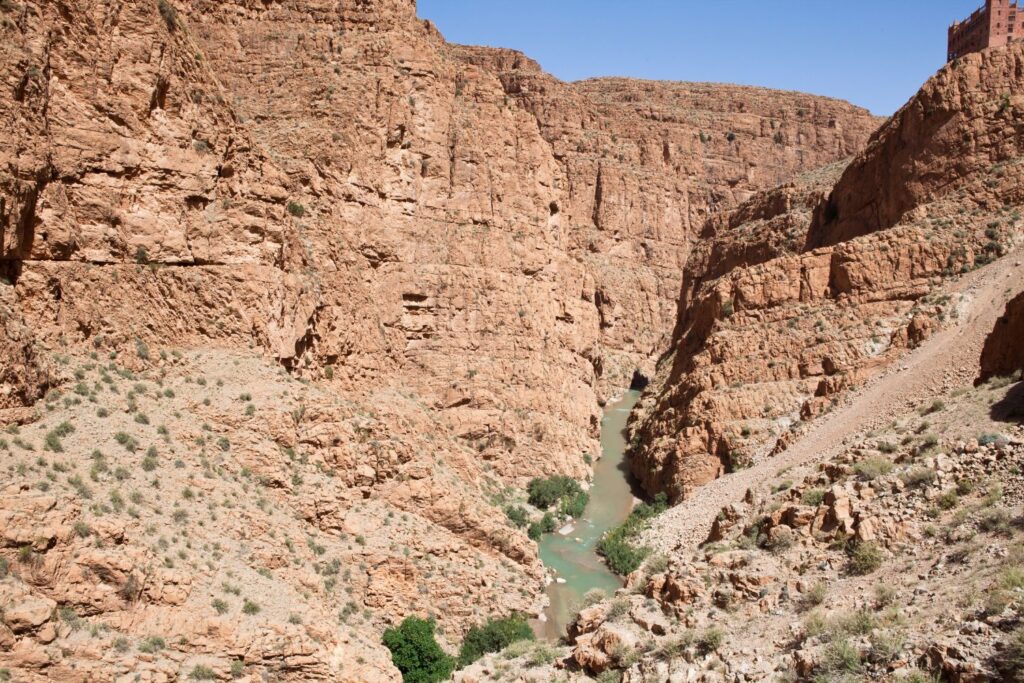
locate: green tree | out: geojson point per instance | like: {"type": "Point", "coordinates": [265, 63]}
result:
{"type": "Point", "coordinates": [494, 636]}
{"type": "Point", "coordinates": [415, 652]}
{"type": "Point", "coordinates": [543, 493]}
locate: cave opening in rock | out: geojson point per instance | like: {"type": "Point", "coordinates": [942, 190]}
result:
{"type": "Point", "coordinates": [639, 381]}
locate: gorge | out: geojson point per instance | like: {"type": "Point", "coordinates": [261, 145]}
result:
{"type": "Point", "coordinates": [297, 299]}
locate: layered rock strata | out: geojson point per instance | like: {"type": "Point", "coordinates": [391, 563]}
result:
{"type": "Point", "coordinates": [807, 290]}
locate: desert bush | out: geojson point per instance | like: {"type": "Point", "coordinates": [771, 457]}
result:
{"type": "Point", "coordinates": [201, 672]}
{"type": "Point", "coordinates": [996, 521]}
{"type": "Point", "coordinates": [873, 468]}
{"type": "Point", "coordinates": [249, 607]}
{"type": "Point", "coordinates": [885, 595]}
{"type": "Point", "coordinates": [128, 441]}
{"type": "Point", "coordinates": [964, 487]}
{"type": "Point", "coordinates": [813, 497]}
{"type": "Point", "coordinates": [886, 646]}
{"type": "Point", "coordinates": [416, 653]}
{"type": "Point", "coordinates": [865, 558]}
{"type": "Point", "coordinates": [919, 477]}
{"type": "Point", "coordinates": [152, 644]}
{"type": "Point", "coordinates": [948, 500]}
{"type": "Point", "coordinates": [814, 596]}
{"type": "Point", "coordinates": [710, 640]}
{"type": "Point", "coordinates": [1011, 663]}
{"type": "Point", "coordinates": [517, 515]}
{"type": "Point", "coordinates": [170, 17]}
{"type": "Point", "coordinates": [840, 659]}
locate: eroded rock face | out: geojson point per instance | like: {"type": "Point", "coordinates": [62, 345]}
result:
{"type": "Point", "coordinates": [361, 199]}
{"type": "Point", "coordinates": [462, 255]}
{"type": "Point", "coordinates": [796, 296]}
{"type": "Point", "coordinates": [1004, 349]}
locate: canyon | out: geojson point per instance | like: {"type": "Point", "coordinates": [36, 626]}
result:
{"type": "Point", "coordinates": [297, 297]}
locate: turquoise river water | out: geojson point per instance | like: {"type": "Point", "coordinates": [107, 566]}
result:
{"type": "Point", "coordinates": [571, 555]}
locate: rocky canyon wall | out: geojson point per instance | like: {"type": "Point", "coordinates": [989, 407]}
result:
{"type": "Point", "coordinates": [357, 285]}
{"type": "Point", "coordinates": [807, 290]}
{"type": "Point", "coordinates": [362, 200]}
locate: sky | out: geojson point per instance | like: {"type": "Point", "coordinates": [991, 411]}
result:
{"type": "Point", "coordinates": [874, 53]}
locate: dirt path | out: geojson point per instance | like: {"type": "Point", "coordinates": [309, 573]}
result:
{"type": "Point", "coordinates": [948, 359]}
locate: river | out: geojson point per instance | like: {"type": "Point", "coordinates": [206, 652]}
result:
{"type": "Point", "coordinates": [572, 557]}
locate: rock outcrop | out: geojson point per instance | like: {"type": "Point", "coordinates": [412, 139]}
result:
{"type": "Point", "coordinates": [807, 290]}
{"type": "Point", "coordinates": [1004, 349]}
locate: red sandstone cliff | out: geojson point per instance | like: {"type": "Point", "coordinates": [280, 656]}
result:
{"type": "Point", "coordinates": [807, 290]}
{"type": "Point", "coordinates": [445, 256]}
{"type": "Point", "coordinates": [503, 244]}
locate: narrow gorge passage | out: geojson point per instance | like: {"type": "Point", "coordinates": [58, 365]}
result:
{"type": "Point", "coordinates": [570, 554]}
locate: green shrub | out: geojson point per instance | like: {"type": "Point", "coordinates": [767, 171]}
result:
{"type": "Point", "coordinates": [517, 515]}
{"type": "Point", "coordinates": [202, 673]}
{"type": "Point", "coordinates": [544, 493]}
{"type": "Point", "coordinates": [948, 500]}
{"type": "Point", "coordinates": [494, 636]}
{"type": "Point", "coordinates": [170, 17]}
{"type": "Point", "coordinates": [415, 652]}
{"type": "Point", "coordinates": [617, 545]}
{"type": "Point", "coordinates": [152, 645]}
{"type": "Point", "coordinates": [250, 607]}
{"type": "Point", "coordinates": [575, 506]}
{"type": "Point", "coordinates": [52, 443]}
{"type": "Point", "coordinates": [220, 606]}
{"type": "Point", "coordinates": [297, 210]}
{"type": "Point", "coordinates": [813, 497]}
{"type": "Point", "coordinates": [128, 441]}
{"type": "Point", "coordinates": [865, 558]}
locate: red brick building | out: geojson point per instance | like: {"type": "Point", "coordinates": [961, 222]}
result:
{"type": "Point", "coordinates": [990, 26]}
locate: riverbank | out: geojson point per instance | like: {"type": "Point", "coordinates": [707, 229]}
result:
{"type": "Point", "coordinates": [570, 554]}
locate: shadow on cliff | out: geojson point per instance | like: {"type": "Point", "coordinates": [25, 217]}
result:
{"type": "Point", "coordinates": [1011, 407]}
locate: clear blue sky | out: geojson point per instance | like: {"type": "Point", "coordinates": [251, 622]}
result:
{"type": "Point", "coordinates": [875, 53]}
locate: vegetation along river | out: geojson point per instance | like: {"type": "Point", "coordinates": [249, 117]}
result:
{"type": "Point", "coordinates": [572, 557]}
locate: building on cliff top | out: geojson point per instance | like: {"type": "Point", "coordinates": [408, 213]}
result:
{"type": "Point", "coordinates": [993, 25]}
